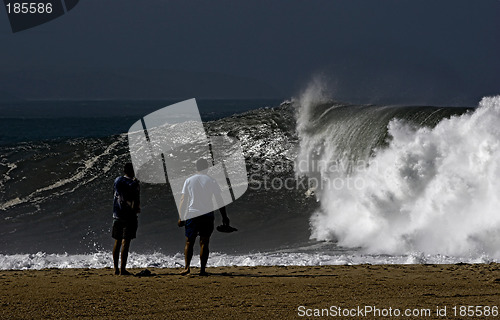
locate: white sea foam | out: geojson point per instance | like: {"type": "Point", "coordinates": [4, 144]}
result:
{"type": "Point", "coordinates": [82, 177]}
{"type": "Point", "coordinates": [100, 260]}
{"type": "Point", "coordinates": [435, 190]}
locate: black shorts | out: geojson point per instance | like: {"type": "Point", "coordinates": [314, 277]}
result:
{"type": "Point", "coordinates": [202, 226]}
{"type": "Point", "coordinates": [124, 229]}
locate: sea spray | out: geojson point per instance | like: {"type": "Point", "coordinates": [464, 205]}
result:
{"type": "Point", "coordinates": [432, 189]}
{"type": "Point", "coordinates": [103, 259]}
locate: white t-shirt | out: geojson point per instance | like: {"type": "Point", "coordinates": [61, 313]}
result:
{"type": "Point", "coordinates": [201, 190]}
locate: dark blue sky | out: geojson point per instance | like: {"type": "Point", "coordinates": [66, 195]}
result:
{"type": "Point", "coordinates": [385, 51]}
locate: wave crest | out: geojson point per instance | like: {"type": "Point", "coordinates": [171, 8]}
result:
{"type": "Point", "coordinates": [426, 189]}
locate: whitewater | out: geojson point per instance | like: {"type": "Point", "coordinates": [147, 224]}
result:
{"type": "Point", "coordinates": [384, 185]}
{"type": "Point", "coordinates": [433, 190]}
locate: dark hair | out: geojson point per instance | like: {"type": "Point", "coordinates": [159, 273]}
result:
{"type": "Point", "coordinates": [128, 169]}
{"type": "Point", "coordinates": [201, 164]}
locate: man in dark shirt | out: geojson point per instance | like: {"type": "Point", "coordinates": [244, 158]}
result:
{"type": "Point", "coordinates": [126, 206]}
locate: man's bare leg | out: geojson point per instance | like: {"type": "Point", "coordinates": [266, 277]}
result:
{"type": "Point", "coordinates": [188, 255]}
{"type": "Point", "coordinates": [204, 252]}
{"type": "Point", "coordinates": [125, 247]}
{"type": "Point", "coordinates": [116, 255]}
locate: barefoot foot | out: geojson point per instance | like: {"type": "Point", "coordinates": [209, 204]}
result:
{"type": "Point", "coordinates": [185, 272]}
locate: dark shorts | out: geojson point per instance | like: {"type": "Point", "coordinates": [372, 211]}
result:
{"type": "Point", "coordinates": [202, 226]}
{"type": "Point", "coordinates": [124, 229]}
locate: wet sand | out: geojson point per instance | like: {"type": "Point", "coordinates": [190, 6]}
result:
{"type": "Point", "coordinates": [249, 292]}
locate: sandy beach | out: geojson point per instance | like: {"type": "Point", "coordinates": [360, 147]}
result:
{"type": "Point", "coordinates": [251, 292]}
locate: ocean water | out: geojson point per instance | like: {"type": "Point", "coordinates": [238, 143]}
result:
{"type": "Point", "coordinates": [47, 120]}
{"type": "Point", "coordinates": [329, 183]}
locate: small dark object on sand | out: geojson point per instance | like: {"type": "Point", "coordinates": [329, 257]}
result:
{"type": "Point", "coordinates": [145, 273]}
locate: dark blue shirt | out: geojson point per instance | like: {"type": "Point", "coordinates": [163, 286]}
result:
{"type": "Point", "coordinates": [126, 202]}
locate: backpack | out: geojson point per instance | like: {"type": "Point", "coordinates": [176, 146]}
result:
{"type": "Point", "coordinates": [126, 205]}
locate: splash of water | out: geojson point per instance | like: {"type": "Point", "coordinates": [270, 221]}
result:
{"type": "Point", "coordinates": [432, 190]}
{"type": "Point", "coordinates": [101, 259]}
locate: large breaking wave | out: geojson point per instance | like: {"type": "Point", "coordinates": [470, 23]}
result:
{"type": "Point", "coordinates": [394, 184]}
{"type": "Point", "coordinates": [399, 180]}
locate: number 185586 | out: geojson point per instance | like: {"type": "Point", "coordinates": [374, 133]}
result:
{"type": "Point", "coordinates": [29, 7]}
{"type": "Point", "coordinates": [475, 311]}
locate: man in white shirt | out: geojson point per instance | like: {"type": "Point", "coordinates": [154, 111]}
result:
{"type": "Point", "coordinates": [197, 195]}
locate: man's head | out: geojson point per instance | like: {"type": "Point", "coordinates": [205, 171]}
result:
{"type": "Point", "coordinates": [201, 164]}
{"type": "Point", "coordinates": [128, 169]}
